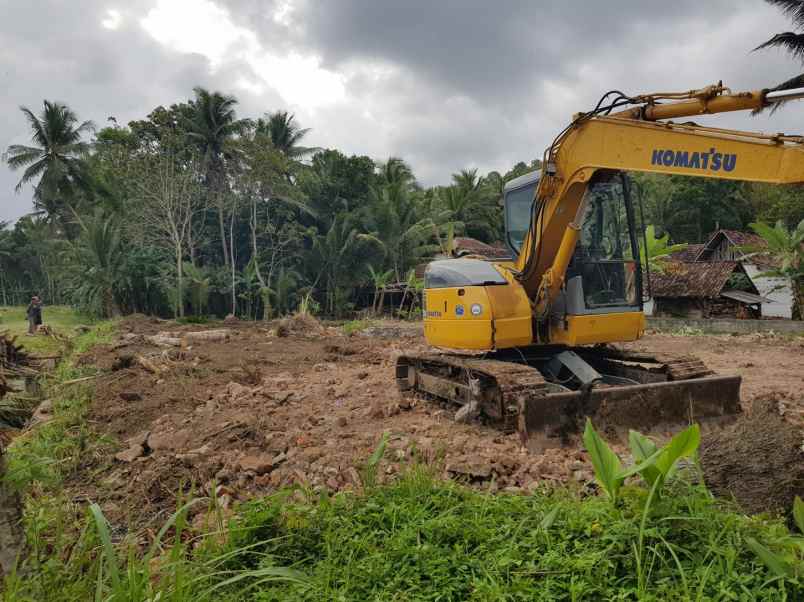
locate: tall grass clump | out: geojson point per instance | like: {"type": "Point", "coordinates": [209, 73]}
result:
{"type": "Point", "coordinates": [424, 539]}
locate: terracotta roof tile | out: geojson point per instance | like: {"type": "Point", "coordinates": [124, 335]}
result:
{"type": "Point", "coordinates": [700, 279]}
{"type": "Point", "coordinates": [463, 245]}
{"type": "Point", "coordinates": [688, 254]}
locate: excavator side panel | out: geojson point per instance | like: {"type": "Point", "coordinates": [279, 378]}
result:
{"type": "Point", "coordinates": [512, 315]}
{"type": "Point", "coordinates": [592, 329]}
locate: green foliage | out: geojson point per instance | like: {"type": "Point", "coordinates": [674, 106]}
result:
{"type": "Point", "coordinates": [654, 248]}
{"type": "Point", "coordinates": [55, 165]}
{"type": "Point", "coordinates": [786, 247]}
{"type": "Point", "coordinates": [420, 538]}
{"type": "Point", "coordinates": [198, 284]}
{"type": "Point", "coordinates": [95, 266]}
{"type": "Point", "coordinates": [354, 326]}
{"type": "Point", "coordinates": [368, 473]}
{"type": "Point", "coordinates": [653, 464]}
{"type": "Point", "coordinates": [789, 563]}
{"type": "Point", "coordinates": [691, 208]}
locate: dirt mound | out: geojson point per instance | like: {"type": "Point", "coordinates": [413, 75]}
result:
{"type": "Point", "coordinates": [758, 460]}
{"type": "Point", "coordinates": [298, 324]}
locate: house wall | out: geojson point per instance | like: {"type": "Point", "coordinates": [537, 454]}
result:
{"type": "Point", "coordinates": [775, 289]}
{"type": "Point", "coordinates": [677, 307]}
{"type": "Point", "coordinates": [696, 308]}
{"type": "Point", "coordinates": [728, 326]}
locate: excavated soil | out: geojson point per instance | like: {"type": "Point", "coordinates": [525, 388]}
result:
{"type": "Point", "coordinates": [298, 403]}
{"type": "Point", "coordinates": [758, 460]}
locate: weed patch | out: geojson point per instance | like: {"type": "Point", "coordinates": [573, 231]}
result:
{"type": "Point", "coordinates": [423, 539]}
{"type": "Point", "coordinates": [355, 326]}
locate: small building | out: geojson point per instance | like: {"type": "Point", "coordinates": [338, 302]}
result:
{"type": "Point", "coordinates": [712, 289]}
{"type": "Point", "coordinates": [463, 246]}
{"type": "Point", "coordinates": [733, 245]}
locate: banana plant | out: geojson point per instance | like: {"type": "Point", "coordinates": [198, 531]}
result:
{"type": "Point", "coordinates": [654, 465]}
{"type": "Point", "coordinates": [786, 565]}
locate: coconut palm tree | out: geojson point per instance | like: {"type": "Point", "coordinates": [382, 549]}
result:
{"type": "Point", "coordinates": [96, 259]}
{"type": "Point", "coordinates": [791, 41]}
{"type": "Point", "coordinates": [395, 172]}
{"type": "Point", "coordinates": [285, 134]}
{"type": "Point", "coordinates": [56, 159]}
{"type": "Point", "coordinates": [212, 124]}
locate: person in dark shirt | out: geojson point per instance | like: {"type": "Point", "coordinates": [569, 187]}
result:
{"type": "Point", "coordinates": [34, 314]}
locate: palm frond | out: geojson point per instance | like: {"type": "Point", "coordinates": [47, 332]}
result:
{"type": "Point", "coordinates": [789, 40]}
{"type": "Point", "coordinates": [38, 133]}
{"type": "Point", "coordinates": [17, 155]}
{"type": "Point", "coordinates": [794, 9]}
{"type": "Point", "coordinates": [33, 171]}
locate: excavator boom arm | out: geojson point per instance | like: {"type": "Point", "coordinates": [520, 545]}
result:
{"type": "Point", "coordinates": [625, 143]}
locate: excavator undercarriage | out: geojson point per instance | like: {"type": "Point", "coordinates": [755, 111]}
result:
{"type": "Point", "coordinates": [546, 393]}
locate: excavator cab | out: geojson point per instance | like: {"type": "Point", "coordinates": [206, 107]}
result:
{"type": "Point", "coordinates": [604, 275]}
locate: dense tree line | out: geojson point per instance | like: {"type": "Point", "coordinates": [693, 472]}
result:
{"type": "Point", "coordinates": [196, 209]}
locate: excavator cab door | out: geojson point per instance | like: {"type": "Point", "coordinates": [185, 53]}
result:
{"type": "Point", "coordinates": [602, 297]}
{"type": "Point", "coordinates": [605, 274]}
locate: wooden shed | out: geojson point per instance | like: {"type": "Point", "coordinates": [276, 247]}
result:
{"type": "Point", "coordinates": [705, 290]}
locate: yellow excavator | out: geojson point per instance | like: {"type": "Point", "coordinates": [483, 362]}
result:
{"type": "Point", "coordinates": [533, 337]}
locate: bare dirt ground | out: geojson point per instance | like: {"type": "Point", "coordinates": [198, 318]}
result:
{"type": "Point", "coordinates": [258, 411]}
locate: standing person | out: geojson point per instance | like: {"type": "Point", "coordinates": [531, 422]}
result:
{"type": "Point", "coordinates": [34, 314]}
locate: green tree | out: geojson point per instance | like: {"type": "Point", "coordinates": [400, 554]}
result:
{"type": "Point", "coordinates": [95, 260]}
{"type": "Point", "coordinates": [340, 259]}
{"type": "Point", "coordinates": [393, 218]}
{"type": "Point", "coordinates": [56, 159]}
{"type": "Point", "coordinates": [786, 247]}
{"type": "Point", "coordinates": [285, 134]}
{"type": "Point", "coordinates": [335, 183]}
{"type": "Point", "coordinates": [211, 125]}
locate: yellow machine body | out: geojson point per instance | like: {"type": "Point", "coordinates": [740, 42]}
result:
{"type": "Point", "coordinates": [521, 304]}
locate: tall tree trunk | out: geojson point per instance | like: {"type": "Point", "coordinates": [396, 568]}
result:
{"type": "Point", "coordinates": [255, 257]}
{"type": "Point", "coordinates": [224, 242]}
{"type": "Point", "coordinates": [232, 259]}
{"type": "Point", "coordinates": [179, 283]}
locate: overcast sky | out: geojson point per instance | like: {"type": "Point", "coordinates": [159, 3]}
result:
{"type": "Point", "coordinates": [444, 84]}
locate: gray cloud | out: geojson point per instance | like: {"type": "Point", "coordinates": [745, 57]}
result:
{"type": "Point", "coordinates": [444, 84]}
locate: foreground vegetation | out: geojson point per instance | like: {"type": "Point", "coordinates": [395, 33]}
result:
{"type": "Point", "coordinates": [423, 539]}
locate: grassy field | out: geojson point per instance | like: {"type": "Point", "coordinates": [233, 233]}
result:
{"type": "Point", "coordinates": [62, 319]}
{"type": "Point", "coordinates": [415, 538]}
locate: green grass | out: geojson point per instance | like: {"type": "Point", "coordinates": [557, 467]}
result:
{"type": "Point", "coordinates": [423, 539]}
{"type": "Point", "coordinates": [62, 319]}
{"type": "Point", "coordinates": [355, 326]}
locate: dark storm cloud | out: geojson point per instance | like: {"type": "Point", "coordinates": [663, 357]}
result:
{"type": "Point", "coordinates": [446, 84]}
{"type": "Point", "coordinates": [487, 84]}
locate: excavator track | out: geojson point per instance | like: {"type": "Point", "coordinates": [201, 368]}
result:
{"type": "Point", "coordinates": [648, 392]}
{"type": "Point", "coordinates": [499, 387]}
